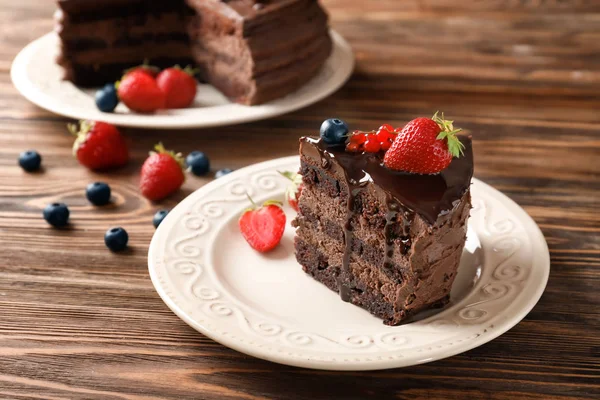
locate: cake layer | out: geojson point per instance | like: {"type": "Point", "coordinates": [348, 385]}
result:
{"type": "Point", "coordinates": [391, 241]}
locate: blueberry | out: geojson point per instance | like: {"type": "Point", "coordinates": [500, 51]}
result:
{"type": "Point", "coordinates": [334, 131]}
{"type": "Point", "coordinates": [98, 193]}
{"type": "Point", "coordinates": [106, 98]}
{"type": "Point", "coordinates": [222, 172]}
{"type": "Point", "coordinates": [158, 217]}
{"type": "Point", "coordinates": [198, 163]}
{"type": "Point", "coordinates": [116, 239]}
{"type": "Point", "coordinates": [57, 214]}
{"type": "Point", "coordinates": [30, 160]}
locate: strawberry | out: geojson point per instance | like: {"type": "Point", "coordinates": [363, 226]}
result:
{"type": "Point", "coordinates": [99, 145]}
{"type": "Point", "coordinates": [139, 91]}
{"type": "Point", "coordinates": [424, 146]}
{"type": "Point", "coordinates": [263, 227]}
{"type": "Point", "coordinates": [294, 190]}
{"type": "Point", "coordinates": [178, 85]}
{"type": "Point", "coordinates": [145, 67]}
{"type": "Point", "coordinates": [162, 174]}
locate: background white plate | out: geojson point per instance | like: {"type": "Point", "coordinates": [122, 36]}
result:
{"type": "Point", "coordinates": [36, 75]}
{"type": "Point", "coordinates": [266, 306]}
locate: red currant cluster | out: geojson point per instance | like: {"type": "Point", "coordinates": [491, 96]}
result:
{"type": "Point", "coordinates": [372, 142]}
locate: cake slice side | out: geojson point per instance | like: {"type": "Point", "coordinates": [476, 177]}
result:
{"type": "Point", "coordinates": [392, 263]}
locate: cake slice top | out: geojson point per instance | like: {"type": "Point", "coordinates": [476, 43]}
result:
{"type": "Point", "coordinates": [430, 196]}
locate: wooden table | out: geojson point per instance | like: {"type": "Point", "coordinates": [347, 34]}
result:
{"type": "Point", "coordinates": [523, 77]}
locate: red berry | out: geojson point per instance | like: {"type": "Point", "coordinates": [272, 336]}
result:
{"type": "Point", "coordinates": [138, 91]}
{"type": "Point", "coordinates": [386, 127]}
{"type": "Point", "coordinates": [162, 174]}
{"type": "Point", "coordinates": [294, 190]}
{"type": "Point", "coordinates": [263, 227]}
{"type": "Point", "coordinates": [178, 85]}
{"type": "Point", "coordinates": [99, 145]}
{"type": "Point", "coordinates": [353, 147]}
{"type": "Point", "coordinates": [417, 148]}
{"type": "Point", "coordinates": [386, 145]}
{"type": "Point", "coordinates": [372, 144]}
{"type": "Point", "coordinates": [358, 137]}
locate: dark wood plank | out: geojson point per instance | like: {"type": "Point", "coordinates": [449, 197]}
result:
{"type": "Point", "coordinates": [521, 76]}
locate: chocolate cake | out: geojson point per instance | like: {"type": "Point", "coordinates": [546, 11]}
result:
{"type": "Point", "coordinates": [253, 51]}
{"type": "Point", "coordinates": [387, 241]}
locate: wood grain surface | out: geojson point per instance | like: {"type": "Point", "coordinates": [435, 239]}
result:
{"type": "Point", "coordinates": [522, 76]}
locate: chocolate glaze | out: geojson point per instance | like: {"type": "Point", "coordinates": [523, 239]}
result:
{"type": "Point", "coordinates": [428, 195]}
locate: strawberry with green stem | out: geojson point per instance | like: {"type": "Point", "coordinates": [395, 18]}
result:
{"type": "Point", "coordinates": [424, 146]}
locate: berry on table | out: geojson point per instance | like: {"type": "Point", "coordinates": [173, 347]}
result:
{"type": "Point", "coordinates": [334, 131]}
{"type": "Point", "coordinates": [263, 226]}
{"type": "Point", "coordinates": [178, 85]}
{"type": "Point", "coordinates": [30, 160]}
{"type": "Point", "coordinates": [57, 214]}
{"type": "Point", "coordinates": [116, 239]}
{"type": "Point", "coordinates": [99, 145]}
{"type": "Point", "coordinates": [162, 173]}
{"type": "Point", "coordinates": [222, 172]}
{"type": "Point", "coordinates": [106, 98]}
{"type": "Point", "coordinates": [158, 217]}
{"type": "Point", "coordinates": [98, 193]}
{"type": "Point", "coordinates": [139, 91]}
{"type": "Point", "coordinates": [424, 146]}
{"type": "Point", "coordinates": [198, 163]}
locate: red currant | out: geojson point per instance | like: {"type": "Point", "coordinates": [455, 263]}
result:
{"type": "Point", "coordinates": [386, 127]}
{"type": "Point", "coordinates": [353, 147]}
{"type": "Point", "coordinates": [358, 137]}
{"type": "Point", "coordinates": [372, 145]}
{"type": "Point", "coordinates": [383, 135]}
{"type": "Point", "coordinates": [386, 145]}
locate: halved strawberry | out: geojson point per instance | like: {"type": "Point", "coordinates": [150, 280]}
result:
{"type": "Point", "coordinates": [263, 226]}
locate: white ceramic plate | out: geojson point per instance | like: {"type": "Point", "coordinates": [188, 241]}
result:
{"type": "Point", "coordinates": [267, 307]}
{"type": "Point", "coordinates": [36, 75]}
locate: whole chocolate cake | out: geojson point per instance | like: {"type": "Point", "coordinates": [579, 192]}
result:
{"type": "Point", "coordinates": [253, 51]}
{"type": "Point", "coordinates": [387, 241]}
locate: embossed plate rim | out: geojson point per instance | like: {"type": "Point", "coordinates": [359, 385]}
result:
{"type": "Point", "coordinates": [459, 323]}
{"type": "Point", "coordinates": [50, 92]}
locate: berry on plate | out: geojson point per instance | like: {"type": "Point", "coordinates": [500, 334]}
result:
{"type": "Point", "coordinates": [263, 226]}
{"type": "Point", "coordinates": [198, 163]}
{"type": "Point", "coordinates": [99, 145]}
{"type": "Point", "coordinates": [139, 91]}
{"type": "Point", "coordinates": [424, 146]}
{"type": "Point", "coordinates": [178, 85]}
{"type": "Point", "coordinates": [116, 239]}
{"type": "Point", "coordinates": [30, 160]}
{"type": "Point", "coordinates": [57, 214]}
{"type": "Point", "coordinates": [106, 98]}
{"type": "Point", "coordinates": [222, 172]}
{"type": "Point", "coordinates": [334, 131]}
{"type": "Point", "coordinates": [158, 217]}
{"type": "Point", "coordinates": [98, 193]}
{"type": "Point", "coordinates": [162, 173]}
{"type": "Point", "coordinates": [294, 189]}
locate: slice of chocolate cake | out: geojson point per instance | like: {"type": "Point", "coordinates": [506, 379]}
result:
{"type": "Point", "coordinates": [387, 241]}
{"type": "Point", "coordinates": [253, 51]}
